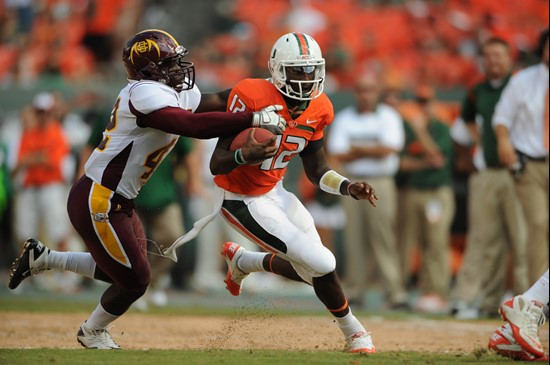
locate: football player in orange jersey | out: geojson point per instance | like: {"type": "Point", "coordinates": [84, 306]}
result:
{"type": "Point", "coordinates": [255, 201]}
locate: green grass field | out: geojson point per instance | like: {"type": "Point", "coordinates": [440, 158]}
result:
{"type": "Point", "coordinates": [71, 357]}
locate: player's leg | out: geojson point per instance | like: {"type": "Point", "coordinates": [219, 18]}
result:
{"type": "Point", "coordinates": [283, 225]}
{"type": "Point", "coordinates": [484, 247]}
{"type": "Point", "coordinates": [513, 221]}
{"type": "Point", "coordinates": [117, 244]}
{"type": "Point", "coordinates": [532, 190]}
{"type": "Point", "coordinates": [327, 287]}
{"type": "Point", "coordinates": [36, 258]}
{"type": "Point", "coordinates": [435, 275]}
{"type": "Point", "coordinates": [265, 221]}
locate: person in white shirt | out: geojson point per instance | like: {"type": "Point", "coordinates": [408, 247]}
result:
{"type": "Point", "coordinates": [366, 139]}
{"type": "Point", "coordinates": [496, 225]}
{"type": "Point", "coordinates": [521, 126]}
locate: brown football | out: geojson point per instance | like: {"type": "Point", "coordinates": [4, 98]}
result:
{"type": "Point", "coordinates": [260, 135]}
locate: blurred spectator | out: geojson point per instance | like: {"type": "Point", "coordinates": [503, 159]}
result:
{"type": "Point", "coordinates": [108, 24]}
{"type": "Point", "coordinates": [367, 139]}
{"type": "Point", "coordinates": [521, 127]}
{"type": "Point", "coordinates": [496, 225]}
{"type": "Point", "coordinates": [38, 173]}
{"type": "Point", "coordinates": [5, 181]}
{"type": "Point", "coordinates": [429, 203]}
{"type": "Point", "coordinates": [421, 41]}
{"type": "Point", "coordinates": [305, 19]}
{"type": "Point", "coordinates": [6, 250]}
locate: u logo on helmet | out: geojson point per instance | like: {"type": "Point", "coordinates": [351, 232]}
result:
{"type": "Point", "coordinates": [143, 47]}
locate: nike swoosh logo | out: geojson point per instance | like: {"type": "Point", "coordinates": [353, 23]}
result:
{"type": "Point", "coordinates": [310, 121]}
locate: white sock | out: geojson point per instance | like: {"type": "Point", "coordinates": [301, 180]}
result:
{"type": "Point", "coordinates": [99, 319]}
{"type": "Point", "coordinates": [78, 262]}
{"type": "Point", "coordinates": [539, 290]}
{"type": "Point", "coordinates": [349, 325]}
{"type": "Point", "coordinates": [251, 261]}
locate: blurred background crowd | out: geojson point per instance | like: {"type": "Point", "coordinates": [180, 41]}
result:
{"type": "Point", "coordinates": [409, 64]}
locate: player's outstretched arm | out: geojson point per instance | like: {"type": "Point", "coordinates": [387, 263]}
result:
{"type": "Point", "coordinates": [223, 161]}
{"type": "Point", "coordinates": [320, 174]}
{"type": "Point", "coordinates": [209, 124]}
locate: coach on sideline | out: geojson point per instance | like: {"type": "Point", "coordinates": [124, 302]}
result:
{"type": "Point", "coordinates": [521, 125]}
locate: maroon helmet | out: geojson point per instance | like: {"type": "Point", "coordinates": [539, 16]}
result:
{"type": "Point", "coordinates": [155, 55]}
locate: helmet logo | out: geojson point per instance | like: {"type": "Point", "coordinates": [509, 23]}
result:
{"type": "Point", "coordinates": [143, 47]}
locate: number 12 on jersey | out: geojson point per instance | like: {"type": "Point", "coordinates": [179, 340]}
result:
{"type": "Point", "coordinates": [284, 155]}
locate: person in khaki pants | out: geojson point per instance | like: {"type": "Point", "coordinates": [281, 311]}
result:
{"type": "Point", "coordinates": [521, 127]}
{"type": "Point", "coordinates": [366, 139]}
{"type": "Point", "coordinates": [496, 225]}
{"type": "Point", "coordinates": [429, 203]}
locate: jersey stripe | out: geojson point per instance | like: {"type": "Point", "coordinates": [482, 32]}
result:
{"type": "Point", "coordinates": [115, 168]}
{"type": "Point", "coordinates": [302, 43]}
{"type": "Point", "coordinates": [239, 227]}
{"type": "Point", "coordinates": [239, 210]}
{"type": "Point", "coordinates": [306, 128]}
{"type": "Point", "coordinates": [99, 205]}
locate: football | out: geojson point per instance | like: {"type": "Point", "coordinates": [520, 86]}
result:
{"type": "Point", "coordinates": [260, 135]}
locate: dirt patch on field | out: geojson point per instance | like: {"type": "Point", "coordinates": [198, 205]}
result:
{"type": "Point", "coordinates": [137, 331]}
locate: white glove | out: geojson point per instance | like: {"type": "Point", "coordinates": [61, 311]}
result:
{"type": "Point", "coordinates": [268, 118]}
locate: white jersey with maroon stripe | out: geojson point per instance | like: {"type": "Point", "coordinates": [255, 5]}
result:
{"type": "Point", "coordinates": [129, 154]}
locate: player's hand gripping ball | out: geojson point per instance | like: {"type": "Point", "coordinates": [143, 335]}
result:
{"type": "Point", "coordinates": [256, 144]}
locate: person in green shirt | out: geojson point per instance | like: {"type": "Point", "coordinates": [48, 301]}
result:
{"type": "Point", "coordinates": [429, 202]}
{"type": "Point", "coordinates": [496, 222]}
{"type": "Point", "coordinates": [5, 200]}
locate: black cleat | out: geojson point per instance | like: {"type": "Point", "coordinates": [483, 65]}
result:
{"type": "Point", "coordinates": [31, 262]}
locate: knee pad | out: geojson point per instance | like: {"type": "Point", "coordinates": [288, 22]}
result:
{"type": "Point", "coordinates": [321, 262]}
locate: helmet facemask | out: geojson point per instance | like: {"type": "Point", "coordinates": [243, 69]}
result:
{"type": "Point", "coordinates": [301, 80]}
{"type": "Point", "coordinates": [172, 71]}
{"type": "Point", "coordinates": [304, 82]}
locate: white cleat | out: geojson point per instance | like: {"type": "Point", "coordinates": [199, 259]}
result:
{"type": "Point", "coordinates": [360, 342]}
{"type": "Point", "coordinates": [502, 342]}
{"type": "Point", "coordinates": [235, 276]}
{"type": "Point", "coordinates": [33, 261]}
{"type": "Point", "coordinates": [525, 318]}
{"type": "Point", "coordinates": [96, 339]}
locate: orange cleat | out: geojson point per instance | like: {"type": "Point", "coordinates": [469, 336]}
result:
{"type": "Point", "coordinates": [235, 276]}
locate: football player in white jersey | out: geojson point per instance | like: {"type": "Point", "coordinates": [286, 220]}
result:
{"type": "Point", "coordinates": [151, 112]}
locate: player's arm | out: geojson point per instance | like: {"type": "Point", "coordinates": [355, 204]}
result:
{"type": "Point", "coordinates": [213, 102]}
{"type": "Point", "coordinates": [468, 114]}
{"type": "Point", "coordinates": [223, 161]}
{"type": "Point", "coordinates": [209, 124]}
{"type": "Point", "coordinates": [158, 108]}
{"type": "Point", "coordinates": [503, 120]}
{"type": "Point", "coordinates": [328, 180]}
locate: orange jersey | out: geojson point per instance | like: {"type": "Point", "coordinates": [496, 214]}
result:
{"type": "Point", "coordinates": [254, 95]}
{"type": "Point", "coordinates": [51, 141]}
